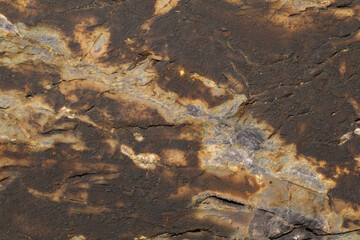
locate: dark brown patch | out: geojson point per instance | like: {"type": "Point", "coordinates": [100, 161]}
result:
{"type": "Point", "coordinates": [56, 99]}
{"type": "Point", "coordinates": [124, 23]}
{"type": "Point", "coordinates": [135, 198]}
{"type": "Point", "coordinates": [348, 222]}
{"type": "Point", "coordinates": [192, 40]}
{"type": "Point", "coordinates": [185, 86]}
{"type": "Point", "coordinates": [238, 185]}
{"type": "Point", "coordinates": [27, 81]}
{"type": "Point", "coordinates": [293, 78]}
{"type": "Point", "coordinates": [124, 113]}
{"type": "Point", "coordinates": [345, 188]}
{"type": "Point", "coordinates": [308, 104]}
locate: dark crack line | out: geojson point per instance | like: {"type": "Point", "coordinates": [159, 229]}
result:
{"type": "Point", "coordinates": [3, 179]}
{"type": "Point", "coordinates": [90, 108]}
{"type": "Point", "coordinates": [34, 94]}
{"type": "Point", "coordinates": [298, 185]}
{"type": "Point", "coordinates": [279, 127]}
{"type": "Point", "coordinates": [139, 59]}
{"type": "Point", "coordinates": [50, 131]}
{"type": "Point", "coordinates": [96, 100]}
{"type": "Point", "coordinates": [300, 12]}
{"type": "Point", "coordinates": [312, 231]}
{"type": "Point", "coordinates": [92, 46]}
{"type": "Point", "coordinates": [53, 85]}
{"type": "Point", "coordinates": [280, 235]}
{"type": "Point", "coordinates": [341, 5]}
{"type": "Point", "coordinates": [232, 202]}
{"type": "Point", "coordinates": [241, 109]}
{"type": "Point", "coordinates": [331, 234]}
{"type": "Point", "coordinates": [195, 230]}
{"type": "Point", "coordinates": [199, 201]}
{"type": "Point", "coordinates": [127, 127]}
{"type": "Point", "coordinates": [83, 174]}
{"type": "Point", "coordinates": [303, 226]}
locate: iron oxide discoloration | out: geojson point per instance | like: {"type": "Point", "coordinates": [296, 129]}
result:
{"type": "Point", "coordinates": [179, 119]}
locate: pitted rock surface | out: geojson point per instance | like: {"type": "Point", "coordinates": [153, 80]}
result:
{"type": "Point", "coordinates": [178, 119]}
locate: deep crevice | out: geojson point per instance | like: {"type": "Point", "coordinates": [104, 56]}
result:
{"type": "Point", "coordinates": [280, 235]}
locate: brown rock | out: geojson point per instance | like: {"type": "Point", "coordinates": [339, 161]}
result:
{"type": "Point", "coordinates": [177, 119]}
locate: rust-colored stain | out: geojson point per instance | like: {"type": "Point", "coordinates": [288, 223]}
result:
{"type": "Point", "coordinates": [177, 119]}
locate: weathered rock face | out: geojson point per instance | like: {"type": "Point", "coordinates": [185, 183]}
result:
{"type": "Point", "coordinates": [173, 119]}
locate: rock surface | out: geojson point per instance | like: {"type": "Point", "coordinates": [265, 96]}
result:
{"type": "Point", "coordinates": [178, 119]}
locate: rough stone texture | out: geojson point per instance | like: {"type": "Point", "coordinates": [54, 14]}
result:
{"type": "Point", "coordinates": [179, 119]}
